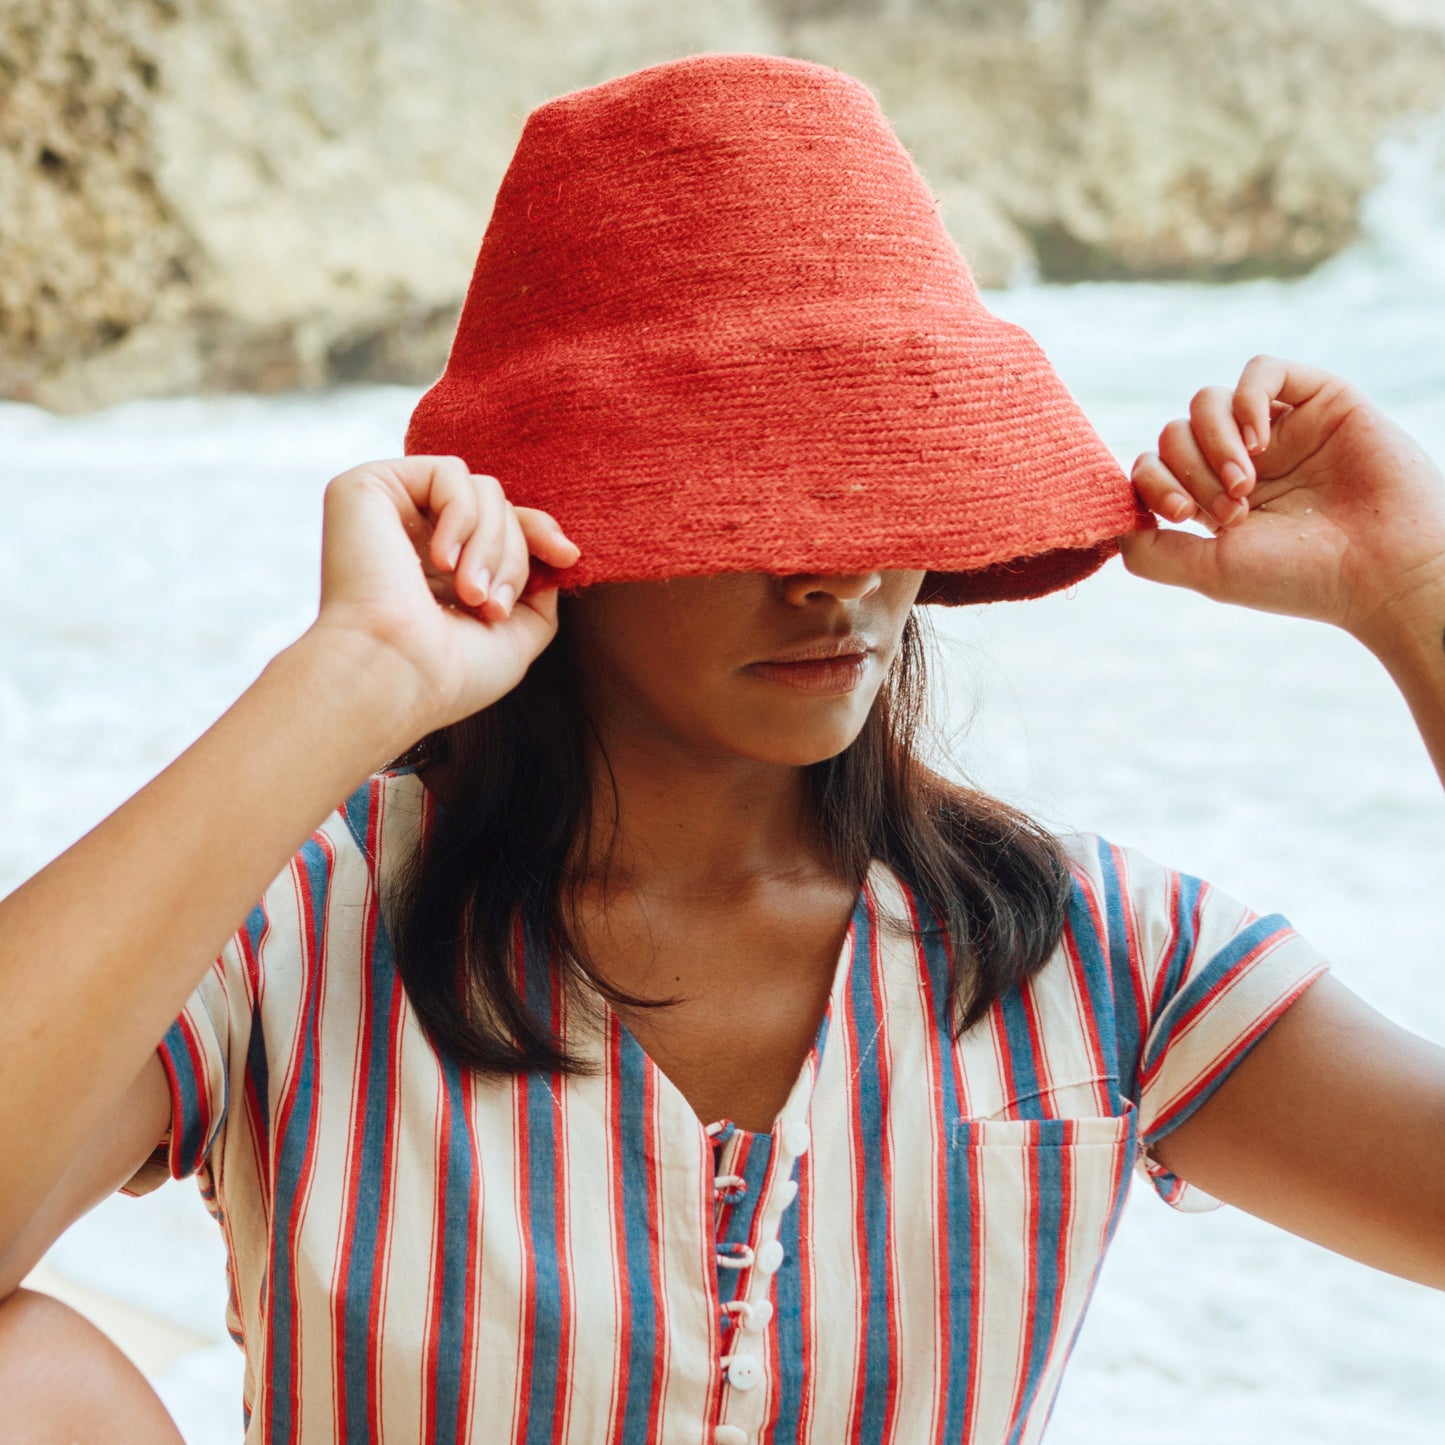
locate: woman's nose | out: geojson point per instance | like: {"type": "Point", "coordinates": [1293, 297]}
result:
{"type": "Point", "coordinates": [804, 587]}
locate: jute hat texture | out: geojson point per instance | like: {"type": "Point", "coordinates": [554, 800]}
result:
{"type": "Point", "coordinates": [717, 325]}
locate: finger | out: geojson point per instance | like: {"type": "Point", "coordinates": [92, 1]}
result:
{"type": "Point", "coordinates": [1175, 558]}
{"type": "Point", "coordinates": [482, 554]}
{"type": "Point", "coordinates": [1218, 436]}
{"type": "Point", "coordinates": [451, 501]}
{"type": "Point", "coordinates": [545, 537]}
{"type": "Point", "coordinates": [419, 477]}
{"type": "Point", "coordinates": [511, 572]}
{"type": "Point", "coordinates": [1181, 454]}
{"type": "Point", "coordinates": [1161, 491]}
{"type": "Point", "coordinates": [543, 601]}
{"type": "Point", "coordinates": [361, 509]}
{"type": "Point", "coordinates": [1265, 382]}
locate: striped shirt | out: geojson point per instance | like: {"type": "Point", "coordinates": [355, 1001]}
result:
{"type": "Point", "coordinates": [420, 1253]}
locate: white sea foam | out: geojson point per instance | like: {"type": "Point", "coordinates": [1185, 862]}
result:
{"type": "Point", "coordinates": [155, 555]}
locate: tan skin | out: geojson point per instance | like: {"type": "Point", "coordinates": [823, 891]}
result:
{"type": "Point", "coordinates": [719, 895]}
{"type": "Point", "coordinates": [1334, 1127]}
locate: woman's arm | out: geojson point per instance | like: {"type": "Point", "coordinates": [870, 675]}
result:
{"type": "Point", "coordinates": [1334, 1125]}
{"type": "Point", "coordinates": [1410, 644]}
{"type": "Point", "coordinates": [420, 624]}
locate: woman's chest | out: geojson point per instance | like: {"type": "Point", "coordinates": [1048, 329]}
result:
{"type": "Point", "coordinates": [747, 989]}
{"type": "Point", "coordinates": [575, 1259]}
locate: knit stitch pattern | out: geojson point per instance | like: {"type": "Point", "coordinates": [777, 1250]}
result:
{"type": "Point", "coordinates": [717, 325]}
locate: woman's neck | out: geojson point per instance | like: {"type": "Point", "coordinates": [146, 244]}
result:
{"type": "Point", "coordinates": [681, 821]}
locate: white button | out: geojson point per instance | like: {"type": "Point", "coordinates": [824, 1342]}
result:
{"type": "Point", "coordinates": [758, 1317]}
{"type": "Point", "coordinates": [729, 1435]}
{"type": "Point", "coordinates": [770, 1257]}
{"type": "Point", "coordinates": [787, 1193]}
{"type": "Point", "coordinates": [744, 1372]}
{"type": "Point", "coordinates": [796, 1138]}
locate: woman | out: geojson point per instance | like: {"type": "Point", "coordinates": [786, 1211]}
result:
{"type": "Point", "coordinates": [664, 1053]}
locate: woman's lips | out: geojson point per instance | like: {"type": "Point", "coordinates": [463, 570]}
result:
{"type": "Point", "coordinates": [819, 674]}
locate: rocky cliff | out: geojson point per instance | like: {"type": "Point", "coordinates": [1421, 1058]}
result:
{"type": "Point", "coordinates": [203, 194]}
{"type": "Point", "coordinates": [1122, 139]}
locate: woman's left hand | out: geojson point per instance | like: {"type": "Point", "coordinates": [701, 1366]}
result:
{"type": "Point", "coordinates": [1321, 507]}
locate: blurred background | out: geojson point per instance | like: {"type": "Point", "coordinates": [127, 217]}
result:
{"type": "Point", "coordinates": [233, 242]}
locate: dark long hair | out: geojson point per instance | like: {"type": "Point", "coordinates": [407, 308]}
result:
{"type": "Point", "coordinates": [513, 795]}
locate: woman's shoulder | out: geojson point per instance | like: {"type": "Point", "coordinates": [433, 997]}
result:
{"type": "Point", "coordinates": [1102, 863]}
{"type": "Point", "coordinates": [361, 843]}
{"type": "Point", "coordinates": [324, 890]}
{"type": "Point", "coordinates": [383, 818]}
{"type": "Point", "coordinates": [1129, 899]}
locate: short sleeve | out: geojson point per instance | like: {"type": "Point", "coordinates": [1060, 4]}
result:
{"type": "Point", "coordinates": [1198, 980]}
{"type": "Point", "coordinates": [215, 1054]}
{"type": "Point", "coordinates": [197, 1053]}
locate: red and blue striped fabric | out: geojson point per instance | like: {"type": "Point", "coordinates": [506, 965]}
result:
{"type": "Point", "coordinates": [417, 1253]}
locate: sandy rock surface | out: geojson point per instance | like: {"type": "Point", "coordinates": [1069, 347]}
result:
{"type": "Point", "coordinates": [200, 194]}
{"type": "Point", "coordinates": [1129, 139]}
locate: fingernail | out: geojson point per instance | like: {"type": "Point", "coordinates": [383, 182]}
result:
{"type": "Point", "coordinates": [504, 596]}
{"type": "Point", "coordinates": [483, 580]}
{"type": "Point", "coordinates": [1234, 477]}
{"type": "Point", "coordinates": [454, 553]}
{"type": "Point", "coordinates": [1251, 440]}
{"type": "Point", "coordinates": [1224, 508]}
{"type": "Point", "coordinates": [1180, 509]}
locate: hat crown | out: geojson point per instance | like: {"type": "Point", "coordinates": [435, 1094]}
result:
{"type": "Point", "coordinates": [774, 183]}
{"type": "Point", "coordinates": [717, 325]}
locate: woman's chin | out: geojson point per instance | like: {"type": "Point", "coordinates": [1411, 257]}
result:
{"type": "Point", "coordinates": [797, 742]}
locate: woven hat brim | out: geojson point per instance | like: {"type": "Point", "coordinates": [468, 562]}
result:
{"type": "Point", "coordinates": [947, 445]}
{"type": "Point", "coordinates": [1018, 579]}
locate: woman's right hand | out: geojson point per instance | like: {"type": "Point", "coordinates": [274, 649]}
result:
{"type": "Point", "coordinates": [432, 562]}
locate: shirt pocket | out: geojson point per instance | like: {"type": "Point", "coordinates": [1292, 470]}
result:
{"type": "Point", "coordinates": [1033, 1204]}
{"type": "Point", "coordinates": [1043, 1198]}
{"type": "Point", "coordinates": [1046, 1184]}
{"type": "Point", "coordinates": [1102, 1131]}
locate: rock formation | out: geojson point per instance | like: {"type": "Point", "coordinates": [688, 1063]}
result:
{"type": "Point", "coordinates": [201, 194]}
{"type": "Point", "coordinates": [1133, 139]}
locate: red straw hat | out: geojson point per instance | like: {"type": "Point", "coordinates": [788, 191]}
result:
{"type": "Point", "coordinates": [717, 325]}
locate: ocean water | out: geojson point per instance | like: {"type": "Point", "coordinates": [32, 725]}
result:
{"type": "Point", "coordinates": [154, 556]}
